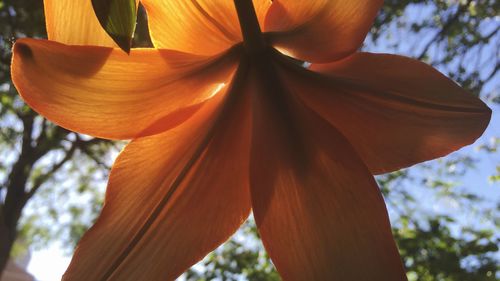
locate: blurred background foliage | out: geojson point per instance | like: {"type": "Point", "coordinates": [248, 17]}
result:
{"type": "Point", "coordinates": [447, 227]}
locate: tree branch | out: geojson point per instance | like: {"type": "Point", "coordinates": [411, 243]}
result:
{"type": "Point", "coordinates": [445, 28]}
{"type": "Point", "coordinates": [46, 176]}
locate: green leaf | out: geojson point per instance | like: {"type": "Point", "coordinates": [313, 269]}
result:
{"type": "Point", "coordinates": [118, 18]}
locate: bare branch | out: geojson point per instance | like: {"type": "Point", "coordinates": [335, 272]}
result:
{"type": "Point", "coordinates": [50, 173]}
{"type": "Point", "coordinates": [85, 145]}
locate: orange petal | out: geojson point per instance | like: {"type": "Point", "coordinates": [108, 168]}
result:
{"type": "Point", "coordinates": [261, 9]}
{"type": "Point", "coordinates": [317, 207]}
{"type": "Point", "coordinates": [320, 30]}
{"type": "Point", "coordinates": [74, 22]}
{"type": "Point", "coordinates": [106, 93]}
{"type": "Point", "coordinates": [171, 199]}
{"type": "Point", "coordinates": [395, 111]}
{"type": "Point", "coordinates": [202, 27]}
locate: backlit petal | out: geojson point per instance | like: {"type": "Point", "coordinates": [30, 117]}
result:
{"type": "Point", "coordinates": [74, 22]}
{"type": "Point", "coordinates": [395, 111]}
{"type": "Point", "coordinates": [195, 26]}
{"type": "Point", "coordinates": [106, 93]}
{"type": "Point", "coordinates": [320, 30]}
{"type": "Point", "coordinates": [171, 199]}
{"type": "Point", "coordinates": [317, 207]}
{"type": "Point", "coordinates": [261, 10]}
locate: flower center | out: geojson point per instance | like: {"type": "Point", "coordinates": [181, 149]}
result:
{"type": "Point", "coordinates": [249, 24]}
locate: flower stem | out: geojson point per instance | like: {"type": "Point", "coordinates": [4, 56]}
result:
{"type": "Point", "coordinates": [252, 35]}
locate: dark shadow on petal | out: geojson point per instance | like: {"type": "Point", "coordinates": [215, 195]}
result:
{"type": "Point", "coordinates": [88, 59]}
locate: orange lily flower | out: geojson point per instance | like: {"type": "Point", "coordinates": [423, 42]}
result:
{"type": "Point", "coordinates": [223, 123]}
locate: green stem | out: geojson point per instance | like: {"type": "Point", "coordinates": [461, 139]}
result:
{"type": "Point", "coordinates": [252, 35]}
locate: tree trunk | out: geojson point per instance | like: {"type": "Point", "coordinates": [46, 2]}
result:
{"type": "Point", "coordinates": [11, 210]}
{"type": "Point", "coordinates": [16, 196]}
{"type": "Point", "coordinates": [7, 238]}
